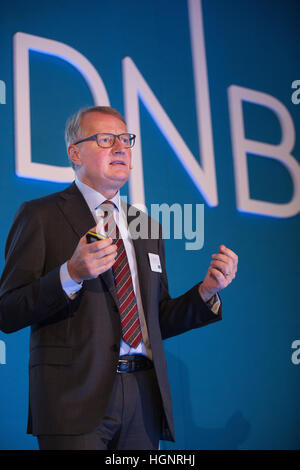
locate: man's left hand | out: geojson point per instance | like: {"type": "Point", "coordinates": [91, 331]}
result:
{"type": "Point", "coordinates": [220, 274]}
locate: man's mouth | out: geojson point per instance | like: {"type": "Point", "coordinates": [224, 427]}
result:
{"type": "Point", "coordinates": [117, 162]}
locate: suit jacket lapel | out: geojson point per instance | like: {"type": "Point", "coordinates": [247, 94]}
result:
{"type": "Point", "coordinates": [76, 210]}
{"type": "Point", "coordinates": [78, 214]}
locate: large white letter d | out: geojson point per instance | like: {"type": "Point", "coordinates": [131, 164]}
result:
{"type": "Point", "coordinates": [22, 44]}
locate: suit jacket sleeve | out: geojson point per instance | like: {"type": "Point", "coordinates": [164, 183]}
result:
{"type": "Point", "coordinates": [28, 294]}
{"type": "Point", "coordinates": [183, 313]}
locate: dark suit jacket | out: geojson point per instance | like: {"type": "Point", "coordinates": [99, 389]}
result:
{"type": "Point", "coordinates": [74, 344]}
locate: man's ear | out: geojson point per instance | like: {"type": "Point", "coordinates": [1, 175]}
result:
{"type": "Point", "coordinates": [74, 155]}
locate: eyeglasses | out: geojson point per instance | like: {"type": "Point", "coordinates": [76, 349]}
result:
{"type": "Point", "coordinates": [108, 140]}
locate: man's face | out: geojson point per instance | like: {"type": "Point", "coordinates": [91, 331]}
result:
{"type": "Point", "coordinates": [104, 169]}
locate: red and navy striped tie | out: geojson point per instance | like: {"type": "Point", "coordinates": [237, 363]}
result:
{"type": "Point", "coordinates": [131, 329]}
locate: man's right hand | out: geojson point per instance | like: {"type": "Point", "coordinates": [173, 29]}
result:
{"type": "Point", "coordinates": [91, 259]}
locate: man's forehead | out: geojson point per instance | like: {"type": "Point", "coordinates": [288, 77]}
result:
{"type": "Point", "coordinates": [101, 122]}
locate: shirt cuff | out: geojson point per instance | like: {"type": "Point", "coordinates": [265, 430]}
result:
{"type": "Point", "coordinates": [214, 304]}
{"type": "Point", "coordinates": [68, 284]}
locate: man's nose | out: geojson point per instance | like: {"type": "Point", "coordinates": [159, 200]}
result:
{"type": "Point", "coordinates": [118, 147]}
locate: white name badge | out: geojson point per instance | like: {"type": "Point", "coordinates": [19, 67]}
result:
{"type": "Point", "coordinates": [155, 262]}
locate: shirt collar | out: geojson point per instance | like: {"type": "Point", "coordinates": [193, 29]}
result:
{"type": "Point", "coordinates": [94, 198]}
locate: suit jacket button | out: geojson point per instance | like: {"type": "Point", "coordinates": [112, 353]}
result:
{"type": "Point", "coordinates": [115, 348]}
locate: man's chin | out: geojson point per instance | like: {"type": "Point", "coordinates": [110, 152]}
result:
{"type": "Point", "coordinates": [120, 174]}
{"type": "Point", "coordinates": [120, 178]}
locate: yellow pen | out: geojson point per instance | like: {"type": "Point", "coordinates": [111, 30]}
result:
{"type": "Point", "coordinates": [94, 237]}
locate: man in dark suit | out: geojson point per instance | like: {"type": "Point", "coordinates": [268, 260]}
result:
{"type": "Point", "coordinates": [98, 311]}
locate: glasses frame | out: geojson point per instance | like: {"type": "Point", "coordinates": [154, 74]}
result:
{"type": "Point", "coordinates": [95, 138]}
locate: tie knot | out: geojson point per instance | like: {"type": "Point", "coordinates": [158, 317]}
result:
{"type": "Point", "coordinates": [108, 203]}
{"type": "Point", "coordinates": [106, 213]}
{"type": "Point", "coordinates": [107, 207]}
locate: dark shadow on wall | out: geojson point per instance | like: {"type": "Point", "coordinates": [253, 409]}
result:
{"type": "Point", "coordinates": [188, 434]}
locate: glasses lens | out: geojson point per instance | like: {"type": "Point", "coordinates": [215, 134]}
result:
{"type": "Point", "coordinates": [127, 140]}
{"type": "Point", "coordinates": [105, 140]}
{"type": "Point", "coordinates": [108, 140]}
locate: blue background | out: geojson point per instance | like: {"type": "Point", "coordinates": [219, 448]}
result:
{"type": "Point", "coordinates": [233, 383]}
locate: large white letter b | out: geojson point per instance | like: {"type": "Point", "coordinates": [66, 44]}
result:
{"type": "Point", "coordinates": [282, 152]}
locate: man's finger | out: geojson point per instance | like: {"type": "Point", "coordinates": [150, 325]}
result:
{"type": "Point", "coordinates": [226, 268]}
{"type": "Point", "coordinates": [99, 245]}
{"type": "Point", "coordinates": [223, 249]}
{"type": "Point", "coordinates": [222, 257]}
{"type": "Point", "coordinates": [217, 275]}
{"type": "Point", "coordinates": [108, 250]}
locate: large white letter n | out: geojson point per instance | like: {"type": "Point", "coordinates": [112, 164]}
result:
{"type": "Point", "coordinates": [282, 152]}
{"type": "Point", "coordinates": [136, 87]}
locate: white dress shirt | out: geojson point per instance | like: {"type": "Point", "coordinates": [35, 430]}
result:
{"type": "Point", "coordinates": [94, 199]}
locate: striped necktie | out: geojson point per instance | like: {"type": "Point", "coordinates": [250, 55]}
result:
{"type": "Point", "coordinates": [131, 329]}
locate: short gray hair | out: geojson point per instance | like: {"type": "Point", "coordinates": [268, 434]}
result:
{"type": "Point", "coordinates": [74, 131]}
